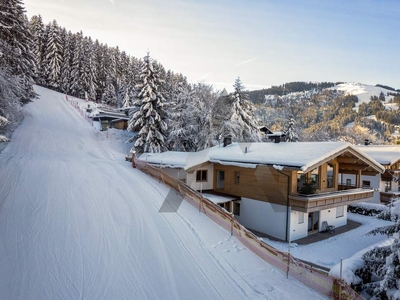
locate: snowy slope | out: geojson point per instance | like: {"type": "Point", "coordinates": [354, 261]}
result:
{"type": "Point", "coordinates": [364, 92]}
{"type": "Point", "coordinates": [77, 222]}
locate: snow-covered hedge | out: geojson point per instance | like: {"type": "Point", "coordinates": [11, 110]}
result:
{"type": "Point", "coordinates": [370, 209]}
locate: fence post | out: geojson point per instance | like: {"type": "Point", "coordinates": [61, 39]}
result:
{"type": "Point", "coordinates": [232, 224]}
{"type": "Point", "coordinates": [288, 265]}
{"type": "Point", "coordinates": [200, 204]}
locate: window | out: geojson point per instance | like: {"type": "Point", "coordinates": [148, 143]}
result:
{"type": "Point", "coordinates": [301, 179]}
{"type": "Point", "coordinates": [348, 181]}
{"type": "Point", "coordinates": [314, 177]}
{"type": "Point", "coordinates": [201, 175]}
{"type": "Point", "coordinates": [220, 180]}
{"type": "Point", "coordinates": [366, 184]}
{"type": "Point", "coordinates": [339, 211]}
{"type": "Point", "coordinates": [329, 173]}
{"type": "Point", "coordinates": [237, 177]}
{"type": "Point", "coordinates": [236, 208]}
{"type": "Point", "coordinates": [301, 217]}
{"type": "Point", "coordinates": [388, 186]}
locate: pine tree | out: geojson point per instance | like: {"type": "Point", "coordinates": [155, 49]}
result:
{"type": "Point", "coordinates": [242, 124]}
{"type": "Point", "coordinates": [149, 119]}
{"type": "Point", "coordinates": [290, 132]}
{"type": "Point", "coordinates": [36, 27]}
{"type": "Point", "coordinates": [53, 56]}
{"type": "Point", "coordinates": [76, 85]}
{"type": "Point", "coordinates": [381, 272]}
{"type": "Point", "coordinates": [16, 46]}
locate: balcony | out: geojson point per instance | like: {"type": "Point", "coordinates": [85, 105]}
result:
{"type": "Point", "coordinates": [316, 202]}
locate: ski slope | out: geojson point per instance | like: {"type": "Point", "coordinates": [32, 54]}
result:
{"type": "Point", "coordinates": [77, 222]}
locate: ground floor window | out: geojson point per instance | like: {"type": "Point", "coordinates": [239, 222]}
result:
{"type": "Point", "coordinates": [339, 211]}
{"type": "Point", "coordinates": [301, 217]}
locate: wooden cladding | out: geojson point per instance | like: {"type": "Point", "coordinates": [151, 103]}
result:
{"type": "Point", "coordinates": [262, 183]}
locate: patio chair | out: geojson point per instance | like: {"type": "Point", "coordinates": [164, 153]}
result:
{"type": "Point", "coordinates": [326, 227]}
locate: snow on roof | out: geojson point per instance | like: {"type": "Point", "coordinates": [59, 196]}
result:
{"type": "Point", "coordinates": [304, 155]}
{"type": "Point", "coordinates": [384, 154]}
{"type": "Point", "coordinates": [218, 199]}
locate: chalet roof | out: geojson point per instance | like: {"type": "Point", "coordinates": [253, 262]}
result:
{"type": "Point", "coordinates": [384, 154]}
{"type": "Point", "coordinates": [304, 156]}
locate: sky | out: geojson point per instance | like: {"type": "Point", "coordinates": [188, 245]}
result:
{"type": "Point", "coordinates": [263, 42]}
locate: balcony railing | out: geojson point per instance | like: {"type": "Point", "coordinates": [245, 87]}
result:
{"type": "Point", "coordinates": [316, 202]}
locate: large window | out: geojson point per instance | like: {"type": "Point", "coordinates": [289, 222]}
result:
{"type": "Point", "coordinates": [330, 171]}
{"type": "Point", "coordinates": [201, 175]}
{"type": "Point", "coordinates": [366, 183]}
{"type": "Point", "coordinates": [314, 177]}
{"type": "Point", "coordinates": [220, 179]}
{"type": "Point", "coordinates": [388, 186]}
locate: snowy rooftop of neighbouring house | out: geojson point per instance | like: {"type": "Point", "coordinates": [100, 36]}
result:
{"type": "Point", "coordinates": [384, 154]}
{"type": "Point", "coordinates": [305, 155]}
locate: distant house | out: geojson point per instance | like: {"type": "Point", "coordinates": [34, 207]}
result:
{"type": "Point", "coordinates": [107, 119]}
{"type": "Point", "coordinates": [264, 183]}
{"type": "Point", "coordinates": [388, 183]}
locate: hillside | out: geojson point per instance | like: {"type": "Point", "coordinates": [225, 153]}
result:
{"type": "Point", "coordinates": [341, 111]}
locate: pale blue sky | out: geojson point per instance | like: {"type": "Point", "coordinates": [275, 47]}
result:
{"type": "Point", "coordinates": [264, 42]}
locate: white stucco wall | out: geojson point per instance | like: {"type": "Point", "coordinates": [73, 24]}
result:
{"type": "Point", "coordinates": [329, 215]}
{"type": "Point", "coordinates": [204, 185]}
{"type": "Point", "coordinates": [175, 172]}
{"type": "Point", "coordinates": [97, 125]}
{"type": "Point", "coordinates": [298, 231]}
{"type": "Point", "coordinates": [264, 217]}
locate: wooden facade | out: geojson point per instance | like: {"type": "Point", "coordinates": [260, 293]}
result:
{"type": "Point", "coordinates": [265, 183]}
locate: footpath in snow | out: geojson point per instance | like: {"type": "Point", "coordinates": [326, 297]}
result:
{"type": "Point", "coordinates": [77, 222]}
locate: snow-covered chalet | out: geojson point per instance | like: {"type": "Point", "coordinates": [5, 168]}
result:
{"type": "Point", "coordinates": [285, 190]}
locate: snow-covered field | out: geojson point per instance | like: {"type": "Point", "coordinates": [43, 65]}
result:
{"type": "Point", "coordinates": [77, 222]}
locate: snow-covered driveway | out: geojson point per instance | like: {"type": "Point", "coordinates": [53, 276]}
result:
{"type": "Point", "coordinates": [77, 222]}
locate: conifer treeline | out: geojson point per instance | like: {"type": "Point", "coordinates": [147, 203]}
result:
{"type": "Point", "coordinates": [75, 64]}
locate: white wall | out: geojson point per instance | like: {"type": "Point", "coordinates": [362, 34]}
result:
{"type": "Point", "coordinates": [264, 217]}
{"type": "Point", "coordinates": [204, 185]}
{"type": "Point", "coordinates": [329, 215]}
{"type": "Point", "coordinates": [175, 172]}
{"type": "Point", "coordinates": [97, 125]}
{"type": "Point", "coordinates": [298, 231]}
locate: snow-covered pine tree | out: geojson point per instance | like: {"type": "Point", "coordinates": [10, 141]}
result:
{"type": "Point", "coordinates": [53, 56]}
{"type": "Point", "coordinates": [109, 95]}
{"type": "Point", "coordinates": [381, 271]}
{"type": "Point", "coordinates": [65, 73]}
{"type": "Point", "coordinates": [16, 46]}
{"type": "Point", "coordinates": [127, 100]}
{"type": "Point", "coordinates": [182, 126]}
{"type": "Point", "coordinates": [149, 119]}
{"type": "Point", "coordinates": [3, 122]}
{"type": "Point", "coordinates": [290, 132]}
{"type": "Point", "coordinates": [204, 100]}
{"type": "Point", "coordinates": [36, 27]}
{"type": "Point", "coordinates": [241, 123]}
{"type": "Point", "coordinates": [76, 86]}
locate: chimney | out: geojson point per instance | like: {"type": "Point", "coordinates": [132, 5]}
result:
{"type": "Point", "coordinates": [227, 140]}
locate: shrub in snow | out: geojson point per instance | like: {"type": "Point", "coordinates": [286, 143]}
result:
{"type": "Point", "coordinates": [3, 122]}
{"type": "Point", "coordinates": [380, 274]}
{"type": "Point", "coordinates": [371, 209]}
